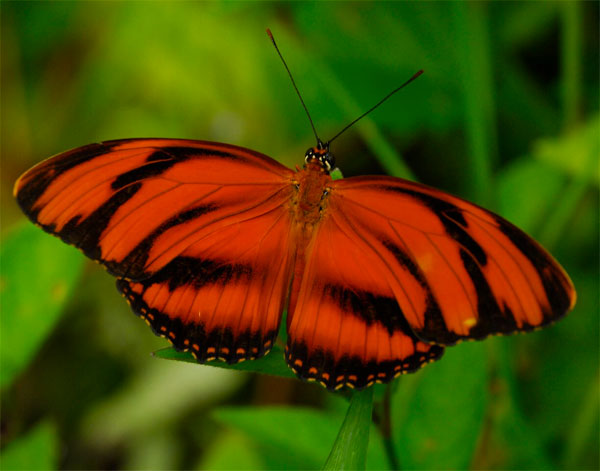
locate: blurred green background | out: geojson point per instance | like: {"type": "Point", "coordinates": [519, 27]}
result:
{"type": "Point", "coordinates": [506, 115]}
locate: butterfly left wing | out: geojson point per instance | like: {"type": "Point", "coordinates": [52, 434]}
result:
{"type": "Point", "coordinates": [223, 296]}
{"type": "Point", "coordinates": [193, 230]}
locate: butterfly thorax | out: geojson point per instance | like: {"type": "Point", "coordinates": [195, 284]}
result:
{"type": "Point", "coordinates": [311, 193]}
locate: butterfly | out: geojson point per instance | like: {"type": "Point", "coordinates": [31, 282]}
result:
{"type": "Point", "coordinates": [211, 242]}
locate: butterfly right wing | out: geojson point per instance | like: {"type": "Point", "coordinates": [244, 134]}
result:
{"type": "Point", "coordinates": [458, 271]}
{"type": "Point", "coordinates": [193, 230]}
{"type": "Point", "coordinates": [396, 270]}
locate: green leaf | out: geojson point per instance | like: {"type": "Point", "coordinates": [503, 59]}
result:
{"type": "Point", "coordinates": [350, 448]}
{"type": "Point", "coordinates": [336, 174]}
{"type": "Point", "coordinates": [219, 456]}
{"type": "Point", "coordinates": [523, 202]}
{"type": "Point", "coordinates": [273, 363]}
{"type": "Point", "coordinates": [155, 450]}
{"type": "Point", "coordinates": [439, 412]}
{"type": "Point", "coordinates": [38, 273]}
{"type": "Point", "coordinates": [550, 363]}
{"type": "Point", "coordinates": [298, 438]}
{"type": "Point", "coordinates": [36, 450]}
{"type": "Point", "coordinates": [576, 153]}
{"type": "Point", "coordinates": [511, 437]}
{"type": "Point", "coordinates": [295, 438]}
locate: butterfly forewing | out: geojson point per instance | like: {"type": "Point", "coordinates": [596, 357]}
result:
{"type": "Point", "coordinates": [193, 229]}
{"type": "Point", "coordinates": [130, 204]}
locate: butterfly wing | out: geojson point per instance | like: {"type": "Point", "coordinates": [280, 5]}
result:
{"type": "Point", "coordinates": [396, 269]}
{"type": "Point", "coordinates": [192, 230]}
{"type": "Point", "coordinates": [344, 324]}
{"type": "Point", "coordinates": [474, 273]}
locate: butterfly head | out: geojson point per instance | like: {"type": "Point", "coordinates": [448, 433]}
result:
{"type": "Point", "coordinates": [322, 155]}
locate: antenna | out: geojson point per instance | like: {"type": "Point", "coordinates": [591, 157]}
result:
{"type": "Point", "coordinates": [375, 106]}
{"type": "Point", "coordinates": [319, 142]}
{"type": "Point", "coordinates": [295, 87]}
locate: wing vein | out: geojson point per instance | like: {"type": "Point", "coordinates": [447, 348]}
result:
{"type": "Point", "coordinates": [448, 264]}
{"type": "Point", "coordinates": [515, 262]}
{"type": "Point", "coordinates": [381, 258]}
{"type": "Point", "coordinates": [175, 242]}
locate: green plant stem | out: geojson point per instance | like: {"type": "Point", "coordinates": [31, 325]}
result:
{"type": "Point", "coordinates": [349, 450]}
{"type": "Point", "coordinates": [476, 78]}
{"type": "Point", "coordinates": [385, 425]}
{"type": "Point", "coordinates": [571, 49]}
{"type": "Point", "coordinates": [582, 426]}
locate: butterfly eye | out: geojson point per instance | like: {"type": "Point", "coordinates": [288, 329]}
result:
{"type": "Point", "coordinates": [309, 155]}
{"type": "Point", "coordinates": [328, 160]}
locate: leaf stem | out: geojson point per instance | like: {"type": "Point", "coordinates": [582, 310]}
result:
{"type": "Point", "coordinates": [582, 429]}
{"type": "Point", "coordinates": [571, 49]}
{"type": "Point", "coordinates": [349, 450]}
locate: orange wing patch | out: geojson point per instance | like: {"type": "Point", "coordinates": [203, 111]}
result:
{"type": "Point", "coordinates": [457, 270]}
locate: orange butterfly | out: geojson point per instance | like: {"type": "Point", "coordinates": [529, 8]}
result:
{"type": "Point", "coordinates": [211, 242]}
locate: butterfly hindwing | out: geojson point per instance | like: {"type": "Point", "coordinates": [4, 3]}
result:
{"type": "Point", "coordinates": [223, 296]}
{"type": "Point", "coordinates": [345, 327]}
{"type": "Point", "coordinates": [194, 230]}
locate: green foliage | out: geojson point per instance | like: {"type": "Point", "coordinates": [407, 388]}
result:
{"type": "Point", "coordinates": [506, 114]}
{"type": "Point", "coordinates": [439, 413]}
{"type": "Point", "coordinates": [581, 145]}
{"type": "Point", "coordinates": [220, 457]}
{"type": "Point", "coordinates": [306, 446]}
{"type": "Point", "coordinates": [36, 451]}
{"type": "Point", "coordinates": [32, 294]}
{"type": "Point", "coordinates": [301, 438]}
{"type": "Point", "coordinates": [349, 450]}
{"type": "Point", "coordinates": [273, 363]}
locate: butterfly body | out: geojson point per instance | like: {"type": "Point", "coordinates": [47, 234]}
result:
{"type": "Point", "coordinates": [311, 183]}
{"type": "Point", "coordinates": [212, 242]}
